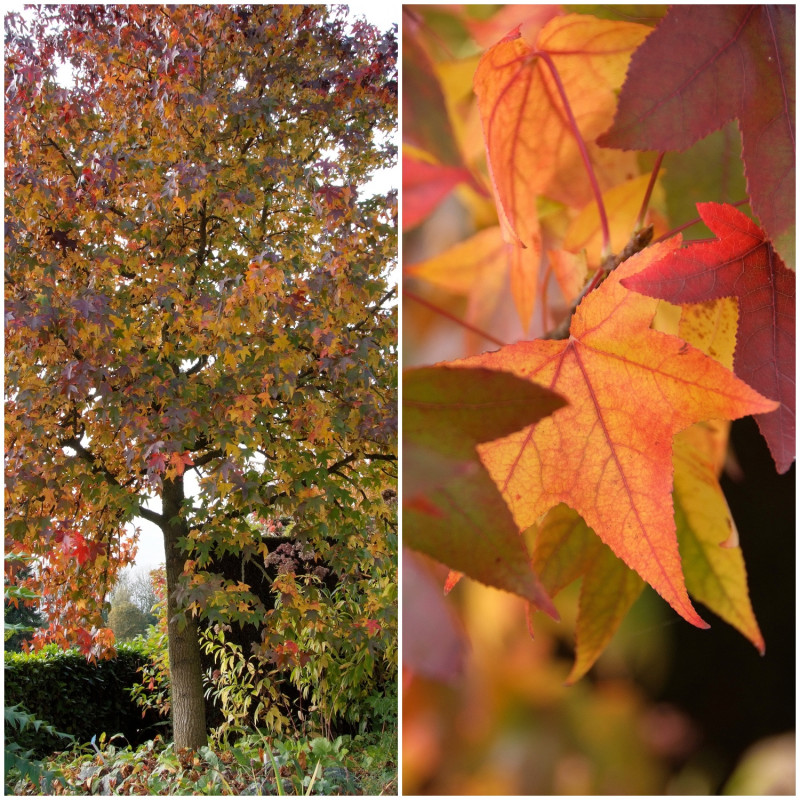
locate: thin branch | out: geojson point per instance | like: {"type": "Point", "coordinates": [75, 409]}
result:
{"type": "Point", "coordinates": [201, 461]}
{"type": "Point", "coordinates": [151, 516]}
{"type": "Point", "coordinates": [72, 169]}
{"type": "Point", "coordinates": [452, 317]}
{"type": "Point", "coordinates": [97, 466]}
{"type": "Point", "coordinates": [638, 241]}
{"type": "Point", "coordinates": [371, 311]}
{"type": "Point", "coordinates": [197, 366]}
{"type": "Point", "coordinates": [649, 192]}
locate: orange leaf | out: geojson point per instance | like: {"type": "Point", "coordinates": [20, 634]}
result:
{"type": "Point", "coordinates": [525, 264]}
{"type": "Point", "coordinates": [180, 461]}
{"type": "Point", "coordinates": [476, 267]}
{"type": "Point", "coordinates": [608, 454]}
{"type": "Point", "coordinates": [529, 142]}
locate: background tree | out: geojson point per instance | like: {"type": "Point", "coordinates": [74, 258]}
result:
{"type": "Point", "coordinates": [125, 618]}
{"type": "Point", "coordinates": [136, 587]}
{"type": "Point", "coordinates": [194, 283]}
{"type": "Point", "coordinates": [20, 614]}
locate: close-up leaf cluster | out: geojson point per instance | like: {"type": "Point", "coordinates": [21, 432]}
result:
{"type": "Point", "coordinates": [575, 346]}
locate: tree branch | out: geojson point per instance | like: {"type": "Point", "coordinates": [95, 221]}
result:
{"type": "Point", "coordinates": [206, 457]}
{"type": "Point", "coordinates": [151, 516]}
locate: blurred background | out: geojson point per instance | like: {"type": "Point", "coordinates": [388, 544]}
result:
{"type": "Point", "coordinates": [668, 708]}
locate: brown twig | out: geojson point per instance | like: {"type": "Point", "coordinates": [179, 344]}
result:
{"type": "Point", "coordinates": [638, 242]}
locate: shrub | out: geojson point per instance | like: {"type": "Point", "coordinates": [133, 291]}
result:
{"type": "Point", "coordinates": [54, 685]}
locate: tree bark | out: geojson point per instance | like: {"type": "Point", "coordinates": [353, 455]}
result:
{"type": "Point", "coordinates": [186, 680]}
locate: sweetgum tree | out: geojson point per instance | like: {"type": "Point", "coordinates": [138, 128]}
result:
{"type": "Point", "coordinates": [195, 284]}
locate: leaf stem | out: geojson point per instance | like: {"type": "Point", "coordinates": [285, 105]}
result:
{"type": "Point", "coordinates": [582, 147]}
{"type": "Point", "coordinates": [649, 192]}
{"type": "Point", "coordinates": [436, 309]}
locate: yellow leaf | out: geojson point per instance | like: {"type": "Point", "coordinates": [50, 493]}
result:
{"type": "Point", "coordinates": [476, 268]}
{"type": "Point", "coordinates": [715, 574]}
{"type": "Point", "coordinates": [622, 204]}
{"type": "Point", "coordinates": [711, 327]}
{"type": "Point", "coordinates": [609, 590]}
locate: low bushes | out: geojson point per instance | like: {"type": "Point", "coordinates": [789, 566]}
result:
{"type": "Point", "coordinates": [255, 765]}
{"type": "Point", "coordinates": [77, 697]}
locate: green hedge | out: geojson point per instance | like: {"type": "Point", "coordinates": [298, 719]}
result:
{"type": "Point", "coordinates": [77, 697]}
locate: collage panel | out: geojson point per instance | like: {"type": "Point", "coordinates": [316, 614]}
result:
{"type": "Point", "coordinates": [598, 400]}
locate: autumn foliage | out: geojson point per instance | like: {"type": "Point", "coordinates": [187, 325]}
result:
{"type": "Point", "coordinates": [197, 283]}
{"type": "Point", "coordinates": [594, 430]}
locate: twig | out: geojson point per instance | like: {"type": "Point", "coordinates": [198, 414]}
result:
{"type": "Point", "coordinates": [452, 317]}
{"type": "Point", "coordinates": [638, 241]}
{"type": "Point", "coordinates": [582, 147]}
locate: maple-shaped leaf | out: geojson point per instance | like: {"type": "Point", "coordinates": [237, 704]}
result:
{"type": "Point", "coordinates": [705, 65]}
{"type": "Point", "coordinates": [564, 548]}
{"type": "Point", "coordinates": [530, 145]}
{"type": "Point", "coordinates": [452, 510]}
{"type": "Point", "coordinates": [476, 268]}
{"type": "Point", "coordinates": [608, 454]}
{"type": "Point", "coordinates": [742, 264]}
{"type": "Point", "coordinates": [451, 410]}
{"type": "Point", "coordinates": [715, 572]}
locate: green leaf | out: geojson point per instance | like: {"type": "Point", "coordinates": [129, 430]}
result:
{"type": "Point", "coordinates": [449, 410]}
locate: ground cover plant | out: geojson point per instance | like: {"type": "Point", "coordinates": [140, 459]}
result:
{"type": "Point", "coordinates": [199, 318]}
{"type": "Point", "coordinates": [255, 765]}
{"type": "Point", "coordinates": [598, 277]}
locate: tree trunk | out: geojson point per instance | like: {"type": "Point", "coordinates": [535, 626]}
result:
{"type": "Point", "coordinates": [186, 681]}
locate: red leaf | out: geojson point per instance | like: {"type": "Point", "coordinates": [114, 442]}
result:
{"type": "Point", "coordinates": [425, 186]}
{"type": "Point", "coordinates": [741, 264]}
{"type": "Point", "coordinates": [705, 65]}
{"type": "Point", "coordinates": [373, 627]}
{"type": "Point", "coordinates": [439, 646]}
